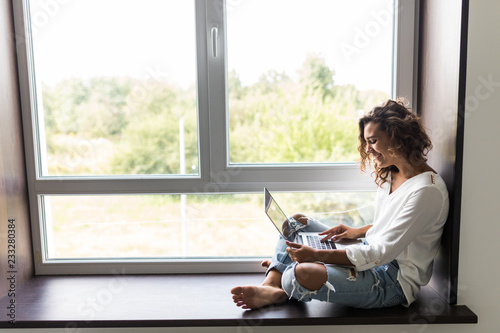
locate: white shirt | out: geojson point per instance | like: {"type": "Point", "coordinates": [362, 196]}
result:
{"type": "Point", "coordinates": [407, 226]}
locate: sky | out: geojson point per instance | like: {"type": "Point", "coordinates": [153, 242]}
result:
{"type": "Point", "coordinates": [144, 38]}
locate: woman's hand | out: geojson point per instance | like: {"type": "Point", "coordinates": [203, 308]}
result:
{"type": "Point", "coordinates": [301, 253]}
{"type": "Point", "coordinates": [342, 232]}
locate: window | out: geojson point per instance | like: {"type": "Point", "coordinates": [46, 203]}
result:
{"type": "Point", "coordinates": [293, 72]}
{"type": "Point", "coordinates": [153, 126]}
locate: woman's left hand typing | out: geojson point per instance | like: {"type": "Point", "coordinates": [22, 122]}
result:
{"type": "Point", "coordinates": [300, 252]}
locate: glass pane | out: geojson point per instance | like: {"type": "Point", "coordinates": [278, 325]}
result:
{"type": "Point", "coordinates": [187, 226]}
{"type": "Point", "coordinates": [116, 85]}
{"type": "Point", "coordinates": [304, 72]}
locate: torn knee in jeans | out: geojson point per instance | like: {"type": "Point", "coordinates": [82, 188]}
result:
{"type": "Point", "coordinates": [296, 290]}
{"type": "Point", "coordinates": [311, 275]}
{"type": "Point", "coordinates": [300, 218]}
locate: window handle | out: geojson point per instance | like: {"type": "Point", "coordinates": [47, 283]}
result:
{"type": "Point", "coordinates": [215, 34]}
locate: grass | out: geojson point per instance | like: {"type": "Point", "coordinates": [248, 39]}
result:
{"type": "Point", "coordinates": [132, 226]}
{"type": "Point", "coordinates": [153, 226]}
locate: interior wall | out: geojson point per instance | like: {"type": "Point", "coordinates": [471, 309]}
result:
{"type": "Point", "coordinates": [13, 187]}
{"type": "Point", "coordinates": [441, 38]}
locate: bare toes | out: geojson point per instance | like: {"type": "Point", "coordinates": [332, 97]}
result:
{"type": "Point", "coordinates": [266, 263]}
{"type": "Point", "coordinates": [253, 297]}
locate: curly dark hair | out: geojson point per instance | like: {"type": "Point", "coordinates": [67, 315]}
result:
{"type": "Point", "coordinates": [407, 136]}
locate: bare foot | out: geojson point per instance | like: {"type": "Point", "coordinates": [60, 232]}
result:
{"type": "Point", "coordinates": [266, 263]}
{"type": "Point", "coordinates": [253, 297]}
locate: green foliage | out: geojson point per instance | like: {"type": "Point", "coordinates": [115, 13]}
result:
{"type": "Point", "coordinates": [235, 86]}
{"type": "Point", "coordinates": [103, 114]}
{"type": "Point", "coordinates": [60, 105]}
{"type": "Point", "coordinates": [152, 147]}
{"type": "Point", "coordinates": [317, 76]}
{"type": "Point", "coordinates": [270, 82]}
{"type": "Point", "coordinates": [279, 119]}
{"type": "Point", "coordinates": [151, 141]}
{"type": "Point", "coordinates": [94, 108]}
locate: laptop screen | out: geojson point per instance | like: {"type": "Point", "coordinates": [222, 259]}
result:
{"type": "Point", "coordinates": [278, 217]}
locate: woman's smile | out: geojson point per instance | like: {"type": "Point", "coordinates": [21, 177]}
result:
{"type": "Point", "coordinates": [377, 144]}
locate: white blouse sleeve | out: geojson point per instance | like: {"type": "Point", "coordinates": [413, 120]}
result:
{"type": "Point", "coordinates": [417, 216]}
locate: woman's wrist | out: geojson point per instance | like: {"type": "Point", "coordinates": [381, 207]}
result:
{"type": "Point", "coordinates": [338, 257]}
{"type": "Point", "coordinates": [321, 255]}
{"type": "Point", "coordinates": [363, 230]}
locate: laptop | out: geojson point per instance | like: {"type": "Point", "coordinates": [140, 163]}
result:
{"type": "Point", "coordinates": [282, 223]}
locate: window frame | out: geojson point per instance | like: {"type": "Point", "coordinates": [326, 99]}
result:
{"type": "Point", "coordinates": [216, 174]}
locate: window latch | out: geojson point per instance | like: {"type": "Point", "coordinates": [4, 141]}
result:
{"type": "Point", "coordinates": [215, 34]}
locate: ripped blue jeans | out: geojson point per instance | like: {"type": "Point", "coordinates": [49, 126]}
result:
{"type": "Point", "coordinates": [374, 288]}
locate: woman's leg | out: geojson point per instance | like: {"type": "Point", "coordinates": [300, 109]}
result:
{"type": "Point", "coordinates": [374, 288]}
{"type": "Point", "coordinates": [270, 291]}
{"type": "Point", "coordinates": [300, 222]}
{"type": "Point", "coordinates": [311, 275]}
{"type": "Point", "coordinates": [253, 297]}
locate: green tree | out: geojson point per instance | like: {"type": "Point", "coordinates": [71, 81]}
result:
{"type": "Point", "coordinates": [236, 89]}
{"type": "Point", "coordinates": [271, 81]}
{"type": "Point", "coordinates": [317, 76]}
{"type": "Point", "coordinates": [306, 120]}
{"type": "Point", "coordinates": [279, 119]}
{"type": "Point", "coordinates": [103, 114]}
{"type": "Point", "coordinates": [150, 142]}
{"type": "Point", "coordinates": [60, 105]}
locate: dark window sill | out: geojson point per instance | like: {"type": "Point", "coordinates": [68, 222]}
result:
{"type": "Point", "coordinates": [193, 301]}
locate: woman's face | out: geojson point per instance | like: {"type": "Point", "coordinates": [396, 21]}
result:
{"type": "Point", "coordinates": [377, 146]}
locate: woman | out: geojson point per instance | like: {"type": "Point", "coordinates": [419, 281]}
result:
{"type": "Point", "coordinates": [396, 259]}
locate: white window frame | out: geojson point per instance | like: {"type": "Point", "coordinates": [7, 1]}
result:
{"type": "Point", "coordinates": [216, 174]}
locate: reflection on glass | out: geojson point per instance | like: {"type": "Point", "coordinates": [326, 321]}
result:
{"type": "Point", "coordinates": [190, 226]}
{"type": "Point", "coordinates": [279, 218]}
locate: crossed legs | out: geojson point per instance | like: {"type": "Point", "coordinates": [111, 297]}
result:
{"type": "Point", "coordinates": [310, 275]}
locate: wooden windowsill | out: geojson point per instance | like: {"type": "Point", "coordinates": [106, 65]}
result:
{"type": "Point", "coordinates": [192, 301]}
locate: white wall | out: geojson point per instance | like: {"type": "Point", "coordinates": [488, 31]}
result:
{"type": "Point", "coordinates": [480, 216]}
{"type": "Point", "coordinates": [479, 274]}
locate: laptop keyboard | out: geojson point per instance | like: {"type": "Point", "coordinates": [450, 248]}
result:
{"type": "Point", "coordinates": [315, 242]}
